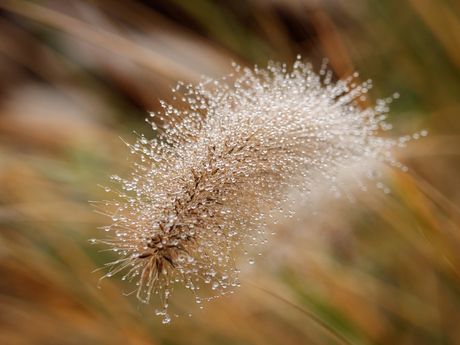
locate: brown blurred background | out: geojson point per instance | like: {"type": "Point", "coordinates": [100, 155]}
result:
{"type": "Point", "coordinates": [77, 75]}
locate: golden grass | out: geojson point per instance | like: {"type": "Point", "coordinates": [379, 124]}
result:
{"type": "Point", "coordinates": [384, 270]}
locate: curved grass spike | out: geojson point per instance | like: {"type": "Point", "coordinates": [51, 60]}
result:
{"type": "Point", "coordinates": [226, 157]}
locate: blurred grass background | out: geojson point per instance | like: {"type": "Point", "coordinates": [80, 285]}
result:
{"type": "Point", "coordinates": [76, 75]}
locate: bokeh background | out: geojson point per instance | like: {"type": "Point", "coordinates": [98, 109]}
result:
{"type": "Point", "coordinates": [77, 75]}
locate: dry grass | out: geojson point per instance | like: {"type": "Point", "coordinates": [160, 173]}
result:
{"type": "Point", "coordinates": [78, 74]}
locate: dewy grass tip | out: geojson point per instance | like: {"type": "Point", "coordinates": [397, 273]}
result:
{"type": "Point", "coordinates": [226, 157]}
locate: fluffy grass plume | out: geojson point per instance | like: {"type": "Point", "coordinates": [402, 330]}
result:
{"type": "Point", "coordinates": [224, 159]}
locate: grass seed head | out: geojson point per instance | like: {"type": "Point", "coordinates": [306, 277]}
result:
{"type": "Point", "coordinates": [227, 157]}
